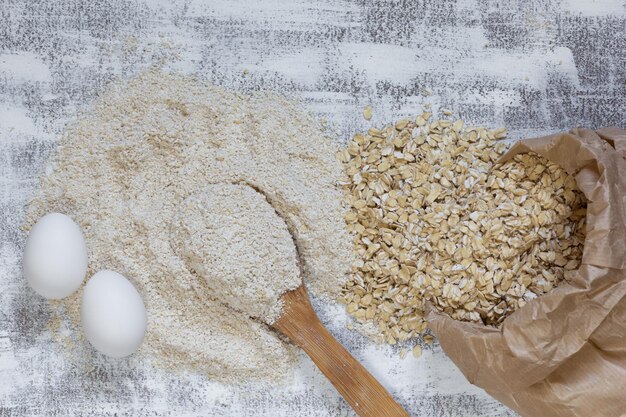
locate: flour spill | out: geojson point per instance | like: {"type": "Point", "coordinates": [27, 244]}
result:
{"type": "Point", "coordinates": [128, 170]}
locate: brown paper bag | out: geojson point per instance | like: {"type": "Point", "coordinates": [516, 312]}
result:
{"type": "Point", "coordinates": [564, 353]}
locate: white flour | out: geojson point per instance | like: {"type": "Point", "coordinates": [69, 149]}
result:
{"type": "Point", "coordinates": [230, 236]}
{"type": "Point", "coordinates": [127, 166]}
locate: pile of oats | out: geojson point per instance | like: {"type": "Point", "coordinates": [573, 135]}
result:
{"type": "Point", "coordinates": [435, 218]}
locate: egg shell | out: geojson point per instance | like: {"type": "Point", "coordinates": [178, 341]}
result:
{"type": "Point", "coordinates": [55, 256]}
{"type": "Point", "coordinates": [113, 314]}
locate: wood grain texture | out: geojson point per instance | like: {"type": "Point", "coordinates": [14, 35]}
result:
{"type": "Point", "coordinates": [535, 66]}
{"type": "Point", "coordinates": [355, 384]}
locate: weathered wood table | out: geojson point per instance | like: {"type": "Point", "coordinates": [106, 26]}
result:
{"type": "Point", "coordinates": [534, 66]}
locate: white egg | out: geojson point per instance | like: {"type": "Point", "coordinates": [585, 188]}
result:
{"type": "Point", "coordinates": [113, 314]}
{"type": "Point", "coordinates": [55, 256]}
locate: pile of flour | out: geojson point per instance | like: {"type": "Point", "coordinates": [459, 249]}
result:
{"type": "Point", "coordinates": [145, 159]}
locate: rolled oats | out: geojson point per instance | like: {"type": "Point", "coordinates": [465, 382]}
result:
{"type": "Point", "coordinates": [435, 218]}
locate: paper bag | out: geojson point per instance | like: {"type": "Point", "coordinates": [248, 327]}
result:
{"type": "Point", "coordinates": [564, 353]}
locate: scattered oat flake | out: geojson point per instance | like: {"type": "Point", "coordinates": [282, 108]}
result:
{"type": "Point", "coordinates": [367, 112]}
{"type": "Point", "coordinates": [417, 351]}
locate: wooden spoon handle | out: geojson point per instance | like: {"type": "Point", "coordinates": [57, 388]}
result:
{"type": "Point", "coordinates": [357, 386]}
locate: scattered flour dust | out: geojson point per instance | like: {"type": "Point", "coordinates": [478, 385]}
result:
{"type": "Point", "coordinates": [147, 159]}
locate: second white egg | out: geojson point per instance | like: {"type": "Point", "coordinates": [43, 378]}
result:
{"type": "Point", "coordinates": [113, 314]}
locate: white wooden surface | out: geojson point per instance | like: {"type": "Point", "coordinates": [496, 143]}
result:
{"type": "Point", "coordinates": [533, 66]}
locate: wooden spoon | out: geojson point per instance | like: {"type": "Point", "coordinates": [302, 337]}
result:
{"type": "Point", "coordinates": [300, 324]}
{"type": "Point", "coordinates": [357, 386]}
